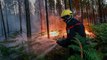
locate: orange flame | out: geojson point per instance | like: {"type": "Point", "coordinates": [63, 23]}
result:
{"type": "Point", "coordinates": [87, 32]}
{"type": "Point", "coordinates": [54, 33]}
{"type": "Point", "coordinates": [90, 34]}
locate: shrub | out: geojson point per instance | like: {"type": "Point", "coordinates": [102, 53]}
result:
{"type": "Point", "coordinates": [87, 50]}
{"type": "Point", "coordinates": [16, 52]}
{"type": "Point", "coordinates": [101, 36]}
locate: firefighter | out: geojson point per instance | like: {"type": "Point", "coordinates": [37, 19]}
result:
{"type": "Point", "coordinates": [73, 26]}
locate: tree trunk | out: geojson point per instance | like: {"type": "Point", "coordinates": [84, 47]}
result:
{"type": "Point", "coordinates": [7, 20]}
{"type": "Point", "coordinates": [40, 11]}
{"type": "Point", "coordinates": [20, 14]}
{"type": "Point", "coordinates": [47, 20]}
{"type": "Point", "coordinates": [70, 4]}
{"type": "Point", "coordinates": [65, 2]}
{"type": "Point", "coordinates": [81, 8]}
{"type": "Point", "coordinates": [2, 19]}
{"type": "Point", "coordinates": [103, 13]}
{"type": "Point", "coordinates": [100, 11]}
{"type": "Point", "coordinates": [87, 15]}
{"type": "Point", "coordinates": [88, 11]}
{"type": "Point", "coordinates": [93, 12]}
{"type": "Point", "coordinates": [28, 23]}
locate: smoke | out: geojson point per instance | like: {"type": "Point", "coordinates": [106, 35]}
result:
{"type": "Point", "coordinates": [47, 51]}
{"type": "Point", "coordinates": [41, 44]}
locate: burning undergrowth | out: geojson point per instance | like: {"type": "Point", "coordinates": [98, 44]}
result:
{"type": "Point", "coordinates": [43, 45]}
{"type": "Point", "coordinates": [57, 28]}
{"type": "Point", "coordinates": [88, 29]}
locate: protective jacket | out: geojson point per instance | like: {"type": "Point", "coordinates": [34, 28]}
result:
{"type": "Point", "coordinates": [73, 27]}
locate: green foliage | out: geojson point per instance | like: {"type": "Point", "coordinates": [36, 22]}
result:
{"type": "Point", "coordinates": [58, 53]}
{"type": "Point", "coordinates": [101, 36]}
{"type": "Point", "coordinates": [92, 54]}
{"type": "Point", "coordinates": [13, 35]}
{"type": "Point", "coordinates": [16, 52]}
{"type": "Point", "coordinates": [100, 31]}
{"type": "Point", "coordinates": [75, 57]}
{"type": "Point", "coordinates": [87, 50]}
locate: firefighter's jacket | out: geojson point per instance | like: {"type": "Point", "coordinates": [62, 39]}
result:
{"type": "Point", "coordinates": [73, 27]}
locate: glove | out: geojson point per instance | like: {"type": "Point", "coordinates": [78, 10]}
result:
{"type": "Point", "coordinates": [63, 42]}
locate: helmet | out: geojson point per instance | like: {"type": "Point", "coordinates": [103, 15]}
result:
{"type": "Point", "coordinates": [66, 12]}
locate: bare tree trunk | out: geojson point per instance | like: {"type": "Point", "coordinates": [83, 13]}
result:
{"type": "Point", "coordinates": [70, 4]}
{"type": "Point", "coordinates": [7, 20]}
{"type": "Point", "coordinates": [65, 2]}
{"type": "Point", "coordinates": [87, 15]}
{"type": "Point", "coordinates": [100, 11]}
{"type": "Point", "coordinates": [93, 12]}
{"type": "Point", "coordinates": [88, 10]}
{"type": "Point", "coordinates": [40, 15]}
{"type": "Point", "coordinates": [59, 7]}
{"type": "Point", "coordinates": [3, 21]}
{"type": "Point", "coordinates": [81, 8]}
{"type": "Point", "coordinates": [20, 14]}
{"type": "Point", "coordinates": [28, 23]}
{"type": "Point", "coordinates": [103, 13]}
{"type": "Point", "coordinates": [47, 18]}
{"type": "Point", "coordinates": [2, 30]}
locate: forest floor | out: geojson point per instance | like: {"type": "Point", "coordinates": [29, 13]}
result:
{"type": "Point", "coordinates": [44, 47]}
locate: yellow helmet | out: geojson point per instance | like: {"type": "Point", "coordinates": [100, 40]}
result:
{"type": "Point", "coordinates": [66, 12]}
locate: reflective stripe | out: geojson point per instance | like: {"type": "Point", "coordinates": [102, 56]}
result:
{"type": "Point", "coordinates": [73, 26]}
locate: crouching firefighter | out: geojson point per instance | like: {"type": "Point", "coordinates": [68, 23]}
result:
{"type": "Point", "coordinates": [73, 26]}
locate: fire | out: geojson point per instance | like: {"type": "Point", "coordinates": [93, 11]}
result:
{"type": "Point", "coordinates": [88, 29]}
{"type": "Point", "coordinates": [54, 33]}
{"type": "Point", "coordinates": [87, 32]}
{"type": "Point", "coordinates": [57, 27]}
{"type": "Point", "coordinates": [90, 34]}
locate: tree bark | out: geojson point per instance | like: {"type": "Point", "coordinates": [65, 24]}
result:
{"type": "Point", "coordinates": [81, 8]}
{"type": "Point", "coordinates": [41, 19]}
{"type": "Point", "coordinates": [7, 20]}
{"type": "Point", "coordinates": [70, 4]}
{"type": "Point", "coordinates": [28, 23]}
{"type": "Point", "coordinates": [93, 12]}
{"type": "Point", "coordinates": [100, 11]}
{"type": "Point", "coordinates": [47, 20]}
{"type": "Point", "coordinates": [65, 2]}
{"type": "Point", "coordinates": [2, 19]}
{"type": "Point", "coordinates": [20, 14]}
